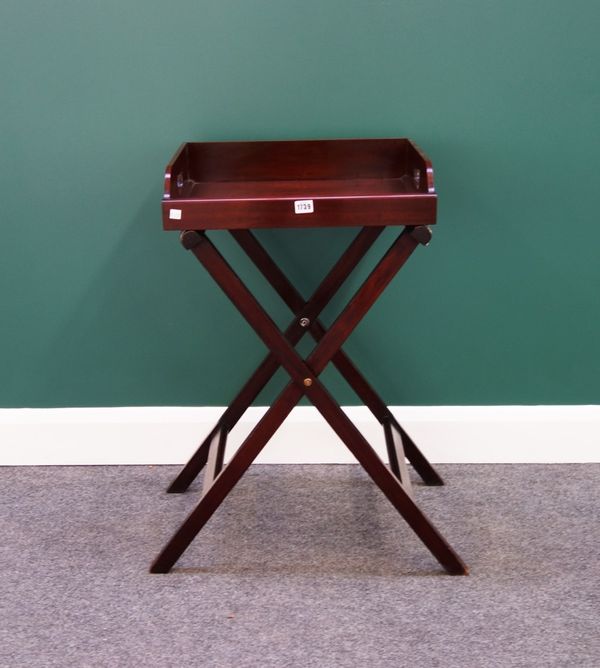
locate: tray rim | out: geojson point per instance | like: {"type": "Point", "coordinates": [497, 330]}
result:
{"type": "Point", "coordinates": [196, 205]}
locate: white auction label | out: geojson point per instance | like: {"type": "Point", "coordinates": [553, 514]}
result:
{"type": "Point", "coordinates": [175, 214]}
{"type": "Point", "coordinates": [304, 206]}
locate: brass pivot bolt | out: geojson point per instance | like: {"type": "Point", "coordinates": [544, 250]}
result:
{"type": "Point", "coordinates": [307, 382]}
{"type": "Point", "coordinates": [304, 322]}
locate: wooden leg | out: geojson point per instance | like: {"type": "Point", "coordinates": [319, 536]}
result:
{"type": "Point", "coordinates": [227, 479]}
{"type": "Point", "coordinates": [380, 410]}
{"type": "Point", "coordinates": [268, 331]}
{"type": "Point", "coordinates": [388, 483]}
{"type": "Point", "coordinates": [304, 375]}
{"type": "Point", "coordinates": [255, 251]}
{"type": "Point", "coordinates": [266, 370]}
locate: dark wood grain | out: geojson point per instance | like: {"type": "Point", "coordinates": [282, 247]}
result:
{"type": "Point", "coordinates": [243, 185]}
{"type": "Point", "coordinates": [341, 361]}
{"type": "Point", "coordinates": [352, 182]}
{"type": "Point", "coordinates": [227, 479]}
{"type": "Point", "coordinates": [266, 370]}
{"type": "Point", "coordinates": [304, 376]}
{"type": "Point", "coordinates": [294, 333]}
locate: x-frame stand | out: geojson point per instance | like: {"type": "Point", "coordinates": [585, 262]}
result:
{"type": "Point", "coordinates": [304, 374]}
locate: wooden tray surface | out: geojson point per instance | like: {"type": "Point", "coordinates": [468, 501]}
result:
{"type": "Point", "coordinates": [302, 183]}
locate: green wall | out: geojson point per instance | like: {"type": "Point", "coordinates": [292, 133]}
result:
{"type": "Point", "coordinates": [101, 307]}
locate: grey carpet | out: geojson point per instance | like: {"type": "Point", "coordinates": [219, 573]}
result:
{"type": "Point", "coordinates": [302, 566]}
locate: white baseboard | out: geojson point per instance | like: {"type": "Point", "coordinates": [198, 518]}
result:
{"type": "Point", "coordinates": [169, 435]}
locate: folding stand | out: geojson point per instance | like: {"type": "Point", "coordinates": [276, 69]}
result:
{"type": "Point", "coordinates": [195, 196]}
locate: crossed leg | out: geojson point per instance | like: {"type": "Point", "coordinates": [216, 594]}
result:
{"type": "Point", "coordinates": [399, 444]}
{"type": "Point", "coordinates": [304, 380]}
{"type": "Point", "coordinates": [267, 368]}
{"type": "Point", "coordinates": [398, 447]}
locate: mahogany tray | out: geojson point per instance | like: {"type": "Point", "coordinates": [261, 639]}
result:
{"type": "Point", "coordinates": [237, 186]}
{"type": "Point", "coordinates": [302, 183]}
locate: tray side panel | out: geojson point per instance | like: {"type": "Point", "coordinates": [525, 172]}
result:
{"type": "Point", "coordinates": [419, 209]}
{"type": "Point", "coordinates": [290, 160]}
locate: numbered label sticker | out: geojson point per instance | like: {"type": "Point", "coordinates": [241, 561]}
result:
{"type": "Point", "coordinates": [304, 206]}
{"type": "Point", "coordinates": [175, 214]}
